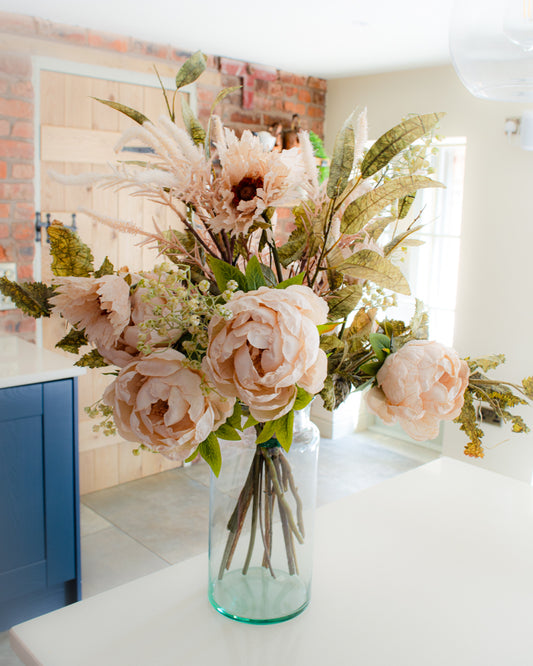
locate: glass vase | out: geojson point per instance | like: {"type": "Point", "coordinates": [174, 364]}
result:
{"type": "Point", "coordinates": [261, 527]}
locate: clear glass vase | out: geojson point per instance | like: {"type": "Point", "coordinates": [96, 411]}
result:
{"type": "Point", "coordinates": [261, 527]}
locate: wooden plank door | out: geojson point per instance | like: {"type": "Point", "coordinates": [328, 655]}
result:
{"type": "Point", "coordinates": [77, 136]}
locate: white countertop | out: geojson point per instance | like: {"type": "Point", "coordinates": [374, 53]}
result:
{"type": "Point", "coordinates": [431, 568]}
{"type": "Point", "coordinates": [24, 363]}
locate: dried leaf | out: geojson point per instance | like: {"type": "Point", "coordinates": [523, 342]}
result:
{"type": "Point", "coordinates": [527, 384]}
{"type": "Point", "coordinates": [137, 116]}
{"type": "Point", "coordinates": [342, 161]}
{"type": "Point", "coordinates": [222, 94]}
{"type": "Point", "coordinates": [293, 248]}
{"type": "Point", "coordinates": [191, 69]}
{"type": "Point", "coordinates": [30, 297]}
{"type": "Point", "coordinates": [72, 341]}
{"type": "Point", "coordinates": [192, 124]}
{"type": "Point", "coordinates": [344, 301]}
{"type": "Point", "coordinates": [400, 239]}
{"type": "Point", "coordinates": [70, 256]}
{"type": "Point", "coordinates": [369, 265]}
{"type": "Point", "coordinates": [395, 140]}
{"type": "Point", "coordinates": [368, 205]}
{"type": "Point", "coordinates": [106, 268]}
{"type": "Point", "coordinates": [489, 362]}
{"type": "Point", "coordinates": [405, 205]}
{"type": "Point", "coordinates": [92, 359]}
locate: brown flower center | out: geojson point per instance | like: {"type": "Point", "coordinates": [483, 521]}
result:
{"type": "Point", "coordinates": [159, 408]}
{"type": "Point", "coordinates": [256, 355]}
{"type": "Point", "coordinates": [246, 190]}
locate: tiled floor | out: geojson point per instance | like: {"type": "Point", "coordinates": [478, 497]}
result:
{"type": "Point", "coordinates": [139, 527]}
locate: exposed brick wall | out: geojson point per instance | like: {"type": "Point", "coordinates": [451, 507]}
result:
{"type": "Point", "coordinates": [267, 97]}
{"type": "Point", "coordinates": [16, 178]}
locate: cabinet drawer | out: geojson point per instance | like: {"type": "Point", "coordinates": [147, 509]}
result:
{"type": "Point", "coordinates": [19, 402]}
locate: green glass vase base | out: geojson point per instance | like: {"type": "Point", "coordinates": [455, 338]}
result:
{"type": "Point", "coordinates": [257, 597]}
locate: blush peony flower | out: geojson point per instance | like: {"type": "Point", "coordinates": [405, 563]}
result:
{"type": "Point", "coordinates": [251, 180]}
{"type": "Point", "coordinates": [420, 385]}
{"type": "Point", "coordinates": [124, 350]}
{"type": "Point", "coordinates": [101, 306]}
{"type": "Point", "coordinates": [270, 345]}
{"type": "Point", "coordinates": [160, 402]}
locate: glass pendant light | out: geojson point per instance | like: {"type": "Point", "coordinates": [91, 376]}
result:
{"type": "Point", "coordinates": [491, 45]}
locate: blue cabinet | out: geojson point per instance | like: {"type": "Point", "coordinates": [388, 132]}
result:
{"type": "Point", "coordinates": [39, 500]}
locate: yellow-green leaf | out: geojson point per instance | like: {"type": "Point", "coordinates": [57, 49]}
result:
{"type": "Point", "coordinates": [209, 449]}
{"type": "Point", "coordinates": [400, 239]}
{"type": "Point", "coordinates": [137, 116]}
{"type": "Point", "coordinates": [527, 383]}
{"type": "Point", "coordinates": [342, 160]}
{"type": "Point", "coordinates": [405, 205]}
{"type": "Point", "coordinates": [92, 359]}
{"type": "Point", "coordinates": [72, 341]}
{"type": "Point", "coordinates": [489, 362]}
{"type": "Point", "coordinates": [395, 140]}
{"type": "Point", "coordinates": [30, 297]}
{"type": "Point", "coordinates": [367, 206]}
{"type": "Point", "coordinates": [191, 69]}
{"type": "Point", "coordinates": [369, 265]}
{"type": "Point", "coordinates": [223, 93]}
{"type": "Point", "coordinates": [106, 268]}
{"type": "Point", "coordinates": [70, 256]}
{"type": "Point", "coordinates": [192, 124]}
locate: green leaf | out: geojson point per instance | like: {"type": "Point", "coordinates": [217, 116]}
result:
{"type": "Point", "coordinates": [405, 205]}
{"type": "Point", "coordinates": [70, 256]}
{"type": "Point", "coordinates": [342, 160]}
{"type": "Point", "coordinates": [191, 69]}
{"type": "Point", "coordinates": [236, 418]}
{"type": "Point", "coordinates": [269, 275]}
{"type": "Point", "coordinates": [371, 368]}
{"type": "Point", "coordinates": [381, 344]}
{"type": "Point", "coordinates": [106, 268]}
{"type": "Point", "coordinates": [254, 274]}
{"type": "Point", "coordinates": [92, 359]}
{"type": "Point", "coordinates": [285, 429]}
{"type": "Point", "coordinates": [137, 116]}
{"type": "Point", "coordinates": [250, 421]}
{"type": "Point", "coordinates": [72, 341]}
{"type": "Point", "coordinates": [30, 297]}
{"type": "Point", "coordinates": [223, 93]}
{"type": "Point", "coordinates": [344, 301]}
{"type": "Point", "coordinates": [330, 342]}
{"type": "Point", "coordinates": [193, 455]}
{"type": "Point", "coordinates": [368, 205]}
{"type": "Point", "coordinates": [369, 265]}
{"type": "Point", "coordinates": [225, 272]}
{"type": "Point", "coordinates": [302, 399]}
{"type": "Point", "coordinates": [295, 279]}
{"type": "Point", "coordinates": [209, 449]}
{"type": "Point", "coordinates": [327, 328]}
{"type": "Point", "coordinates": [395, 140]}
{"type": "Point", "coordinates": [191, 122]}
{"type": "Point", "coordinates": [268, 431]}
{"type": "Point", "coordinates": [228, 432]}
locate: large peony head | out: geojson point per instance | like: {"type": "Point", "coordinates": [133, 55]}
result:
{"type": "Point", "coordinates": [420, 385]}
{"type": "Point", "coordinates": [252, 180]}
{"type": "Point", "coordinates": [268, 348]}
{"type": "Point", "coordinates": [101, 306]}
{"type": "Point", "coordinates": [160, 402]}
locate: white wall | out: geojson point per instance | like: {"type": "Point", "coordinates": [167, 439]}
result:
{"type": "Point", "coordinates": [495, 296]}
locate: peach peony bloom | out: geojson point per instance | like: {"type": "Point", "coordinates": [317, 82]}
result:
{"type": "Point", "coordinates": [269, 346]}
{"type": "Point", "coordinates": [160, 402]}
{"type": "Point", "coordinates": [125, 348]}
{"type": "Point", "coordinates": [420, 385]}
{"type": "Point", "coordinates": [251, 180]}
{"type": "Point", "coordinates": [101, 306]}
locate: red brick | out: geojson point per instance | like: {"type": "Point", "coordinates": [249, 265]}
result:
{"type": "Point", "coordinates": [14, 191]}
{"type": "Point", "coordinates": [18, 149]}
{"type": "Point", "coordinates": [246, 119]}
{"type": "Point", "coordinates": [315, 111]}
{"type": "Point", "coordinates": [103, 40]}
{"type": "Point", "coordinates": [25, 251]}
{"type": "Point", "coordinates": [289, 91]}
{"type": "Point", "coordinates": [160, 51]}
{"type": "Point", "coordinates": [293, 79]}
{"type": "Point", "coordinates": [206, 95]}
{"type": "Point", "coordinates": [22, 171]}
{"type": "Point", "coordinates": [293, 107]}
{"type": "Point", "coordinates": [276, 89]}
{"type": "Point", "coordinates": [264, 73]}
{"type": "Point", "coordinates": [247, 98]}
{"type": "Point", "coordinates": [22, 230]}
{"type": "Point", "coordinates": [22, 129]}
{"type": "Point", "coordinates": [16, 108]}
{"type": "Point", "coordinates": [17, 23]}
{"type": "Point", "coordinates": [4, 127]}
{"type": "Point", "coordinates": [8, 251]}
{"type": "Point", "coordinates": [15, 65]}
{"type": "Point", "coordinates": [4, 210]}
{"type": "Point", "coordinates": [319, 97]}
{"type": "Point", "coordinates": [24, 211]}
{"type": "Point", "coordinates": [22, 89]}
{"type": "Point", "coordinates": [66, 33]}
{"type": "Point", "coordinates": [5, 230]}
{"type": "Point", "coordinates": [320, 84]}
{"type": "Point", "coordinates": [3, 170]}
{"type": "Point", "coordinates": [4, 86]}
{"type": "Point", "coordinates": [25, 272]}
{"type": "Point", "coordinates": [233, 67]}
{"type": "Point", "coordinates": [229, 81]}
{"type": "Point", "coordinates": [304, 95]}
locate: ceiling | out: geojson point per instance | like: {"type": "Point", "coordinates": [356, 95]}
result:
{"type": "Point", "coordinates": [325, 38]}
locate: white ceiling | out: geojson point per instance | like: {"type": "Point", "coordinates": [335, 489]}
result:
{"type": "Point", "coordinates": [325, 38]}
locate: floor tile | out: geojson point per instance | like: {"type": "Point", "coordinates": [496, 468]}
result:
{"type": "Point", "coordinates": [7, 656]}
{"type": "Point", "coordinates": [91, 522]}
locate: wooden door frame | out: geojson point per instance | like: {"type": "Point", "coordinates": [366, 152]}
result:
{"type": "Point", "coordinates": [47, 64]}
